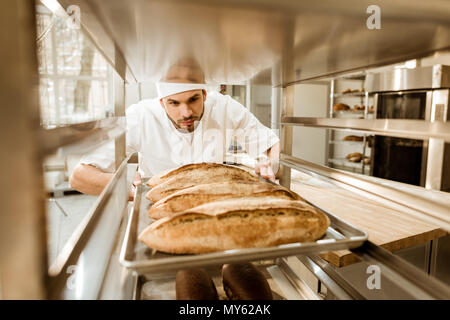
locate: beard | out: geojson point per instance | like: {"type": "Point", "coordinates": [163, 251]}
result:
{"type": "Point", "coordinates": [190, 127]}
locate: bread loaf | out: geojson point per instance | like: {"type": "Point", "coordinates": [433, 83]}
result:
{"type": "Point", "coordinates": [201, 175]}
{"type": "Point", "coordinates": [204, 193]}
{"type": "Point", "coordinates": [340, 107]}
{"type": "Point", "coordinates": [167, 174]}
{"type": "Point", "coordinates": [236, 223]}
{"type": "Point", "coordinates": [348, 90]}
{"type": "Point", "coordinates": [354, 157]}
{"type": "Point", "coordinates": [195, 284]}
{"type": "Point", "coordinates": [358, 107]}
{"type": "Point", "coordinates": [353, 138]}
{"type": "Point", "coordinates": [242, 281]}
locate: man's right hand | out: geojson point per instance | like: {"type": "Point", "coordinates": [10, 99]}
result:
{"type": "Point", "coordinates": [136, 181]}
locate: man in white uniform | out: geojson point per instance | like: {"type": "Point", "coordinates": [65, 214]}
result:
{"type": "Point", "coordinates": [185, 124]}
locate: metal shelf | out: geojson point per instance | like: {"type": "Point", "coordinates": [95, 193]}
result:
{"type": "Point", "coordinates": [356, 112]}
{"type": "Point", "coordinates": [345, 163]}
{"type": "Point", "coordinates": [351, 94]}
{"type": "Point", "coordinates": [81, 138]}
{"type": "Point", "coordinates": [350, 143]}
{"type": "Point", "coordinates": [414, 129]}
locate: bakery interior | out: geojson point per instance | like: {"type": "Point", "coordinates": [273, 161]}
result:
{"type": "Point", "coordinates": [357, 94]}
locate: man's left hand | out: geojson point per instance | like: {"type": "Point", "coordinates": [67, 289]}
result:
{"type": "Point", "coordinates": [264, 168]}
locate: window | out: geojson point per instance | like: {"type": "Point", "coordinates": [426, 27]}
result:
{"type": "Point", "coordinates": [75, 79]}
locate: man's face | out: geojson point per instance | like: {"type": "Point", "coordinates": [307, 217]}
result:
{"type": "Point", "coordinates": [185, 109]}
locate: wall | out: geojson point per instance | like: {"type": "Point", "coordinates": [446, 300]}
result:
{"type": "Point", "coordinates": [261, 103]}
{"type": "Point", "coordinates": [310, 100]}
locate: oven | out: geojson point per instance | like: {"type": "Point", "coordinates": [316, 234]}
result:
{"type": "Point", "coordinates": [412, 94]}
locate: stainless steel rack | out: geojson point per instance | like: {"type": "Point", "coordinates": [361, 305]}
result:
{"type": "Point", "coordinates": [137, 55]}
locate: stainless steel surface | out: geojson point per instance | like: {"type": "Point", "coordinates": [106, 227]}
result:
{"type": "Point", "coordinates": [435, 163]}
{"type": "Point", "coordinates": [422, 286]}
{"type": "Point", "coordinates": [78, 271]}
{"type": "Point", "coordinates": [332, 287]}
{"type": "Point", "coordinates": [80, 138]}
{"type": "Point", "coordinates": [425, 150]}
{"type": "Point", "coordinates": [334, 282]}
{"type": "Point", "coordinates": [442, 262]}
{"type": "Point", "coordinates": [119, 111]}
{"type": "Point", "coordinates": [433, 247]}
{"type": "Point", "coordinates": [22, 200]}
{"type": "Point", "coordinates": [119, 282]}
{"type": "Point", "coordinates": [286, 139]}
{"type": "Point", "coordinates": [427, 205]}
{"type": "Point", "coordinates": [283, 286]}
{"type": "Point", "coordinates": [418, 255]}
{"type": "Point", "coordinates": [297, 281]}
{"type": "Point", "coordinates": [437, 175]}
{"type": "Point", "coordinates": [238, 40]}
{"type": "Point", "coordinates": [136, 256]}
{"type": "Point", "coordinates": [432, 77]}
{"type": "Point", "coordinates": [275, 108]}
{"type": "Point", "coordinates": [418, 129]}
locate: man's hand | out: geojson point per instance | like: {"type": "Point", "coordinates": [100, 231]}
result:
{"type": "Point", "coordinates": [265, 168]}
{"type": "Point", "coordinates": [267, 164]}
{"type": "Point", "coordinates": [136, 181]}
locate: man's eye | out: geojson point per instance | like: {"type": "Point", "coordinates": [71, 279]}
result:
{"type": "Point", "coordinates": [193, 99]}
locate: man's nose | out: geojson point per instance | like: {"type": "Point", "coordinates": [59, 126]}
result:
{"type": "Point", "coordinates": [186, 112]}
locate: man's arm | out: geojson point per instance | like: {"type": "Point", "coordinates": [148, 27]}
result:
{"type": "Point", "coordinates": [89, 179]}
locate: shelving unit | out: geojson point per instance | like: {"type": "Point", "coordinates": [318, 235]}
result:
{"type": "Point", "coordinates": [350, 91]}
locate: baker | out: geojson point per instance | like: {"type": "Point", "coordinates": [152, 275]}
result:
{"type": "Point", "coordinates": [184, 124]}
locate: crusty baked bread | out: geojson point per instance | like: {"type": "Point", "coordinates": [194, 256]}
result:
{"type": "Point", "coordinates": [195, 284]}
{"type": "Point", "coordinates": [353, 138]}
{"type": "Point", "coordinates": [348, 90]}
{"type": "Point", "coordinates": [204, 193]}
{"type": "Point", "coordinates": [242, 281]}
{"type": "Point", "coordinates": [358, 107]}
{"type": "Point", "coordinates": [354, 157]}
{"type": "Point", "coordinates": [236, 223]}
{"type": "Point", "coordinates": [167, 174]}
{"type": "Point", "coordinates": [190, 178]}
{"type": "Point", "coordinates": [341, 106]}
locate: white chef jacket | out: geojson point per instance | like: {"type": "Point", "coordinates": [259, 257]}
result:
{"type": "Point", "coordinates": [161, 146]}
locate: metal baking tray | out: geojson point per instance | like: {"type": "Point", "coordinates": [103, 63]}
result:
{"type": "Point", "coordinates": [164, 287]}
{"type": "Point", "coordinates": [136, 256]}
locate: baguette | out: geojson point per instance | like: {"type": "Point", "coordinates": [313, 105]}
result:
{"type": "Point", "coordinates": [190, 178]}
{"type": "Point", "coordinates": [167, 174]}
{"type": "Point", "coordinates": [194, 196]}
{"type": "Point", "coordinates": [234, 224]}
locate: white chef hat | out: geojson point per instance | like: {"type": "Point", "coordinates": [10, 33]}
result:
{"type": "Point", "coordinates": [166, 89]}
